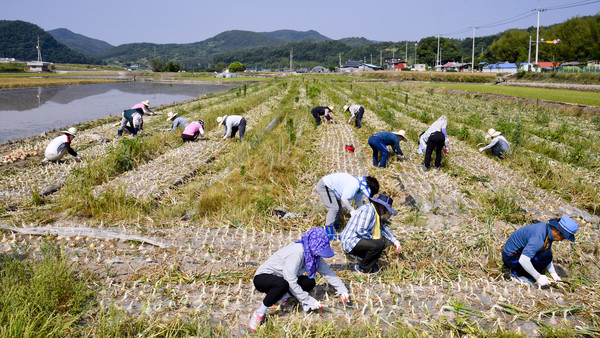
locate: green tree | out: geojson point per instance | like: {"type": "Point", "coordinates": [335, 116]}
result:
{"type": "Point", "coordinates": [171, 67]}
{"type": "Point", "coordinates": [236, 67]}
{"type": "Point", "coordinates": [157, 65]}
{"type": "Point", "coordinates": [220, 66]}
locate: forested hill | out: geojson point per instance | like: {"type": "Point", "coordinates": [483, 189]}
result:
{"type": "Point", "coordinates": [295, 36]}
{"type": "Point", "coordinates": [80, 43]}
{"type": "Point", "coordinates": [18, 39]}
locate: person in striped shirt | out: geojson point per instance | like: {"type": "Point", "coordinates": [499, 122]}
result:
{"type": "Point", "coordinates": [365, 236]}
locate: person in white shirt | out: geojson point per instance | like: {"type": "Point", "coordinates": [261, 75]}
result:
{"type": "Point", "coordinates": [232, 124]}
{"type": "Point", "coordinates": [60, 146]}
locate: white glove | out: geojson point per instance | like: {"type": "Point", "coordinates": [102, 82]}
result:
{"type": "Point", "coordinates": [543, 280]}
{"type": "Point", "coordinates": [345, 297]}
{"type": "Point", "coordinates": [317, 306]}
{"type": "Point", "coordinates": [481, 149]}
{"type": "Point", "coordinates": [78, 158]}
{"type": "Point", "coordinates": [397, 247]}
{"type": "Point", "coordinates": [555, 276]}
{"type": "Point", "coordinates": [352, 212]}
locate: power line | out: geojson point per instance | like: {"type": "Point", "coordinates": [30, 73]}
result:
{"type": "Point", "coordinates": [571, 5]}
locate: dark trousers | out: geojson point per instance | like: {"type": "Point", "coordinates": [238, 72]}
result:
{"type": "Point", "coordinates": [497, 151]}
{"type": "Point", "coordinates": [186, 137]}
{"type": "Point", "coordinates": [275, 287]}
{"type": "Point", "coordinates": [369, 250]}
{"type": "Point", "coordinates": [359, 117]}
{"type": "Point", "coordinates": [241, 127]}
{"type": "Point", "coordinates": [540, 261]}
{"type": "Point", "coordinates": [315, 114]}
{"type": "Point", "coordinates": [378, 147]}
{"type": "Point", "coordinates": [435, 142]}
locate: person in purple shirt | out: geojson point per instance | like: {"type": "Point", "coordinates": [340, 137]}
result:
{"type": "Point", "coordinates": [379, 142]}
{"type": "Point", "coordinates": [528, 251]}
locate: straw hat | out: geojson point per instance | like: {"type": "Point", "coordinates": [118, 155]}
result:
{"type": "Point", "coordinates": [71, 131]}
{"type": "Point", "coordinates": [401, 133]}
{"type": "Point", "coordinates": [221, 119]}
{"type": "Point", "coordinates": [170, 115]}
{"type": "Point", "coordinates": [146, 103]}
{"type": "Point", "coordinates": [330, 108]}
{"type": "Point", "coordinates": [346, 107]}
{"type": "Point", "coordinates": [492, 133]}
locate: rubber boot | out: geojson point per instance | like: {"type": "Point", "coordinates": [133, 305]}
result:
{"type": "Point", "coordinates": [120, 132]}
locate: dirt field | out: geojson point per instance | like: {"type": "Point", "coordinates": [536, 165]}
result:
{"type": "Point", "coordinates": [185, 261]}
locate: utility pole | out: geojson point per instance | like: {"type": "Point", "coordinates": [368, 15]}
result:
{"type": "Point", "coordinates": [537, 38]}
{"type": "Point", "coordinates": [473, 54]}
{"type": "Point", "coordinates": [529, 55]}
{"type": "Point", "coordinates": [406, 52]}
{"type": "Point", "coordinates": [415, 62]}
{"type": "Point", "coordinates": [381, 58]}
{"type": "Point", "coordinates": [371, 58]}
{"type": "Point", "coordinates": [340, 55]}
{"type": "Point", "coordinates": [291, 59]}
{"type": "Point", "coordinates": [393, 52]}
{"type": "Point", "coordinates": [438, 57]}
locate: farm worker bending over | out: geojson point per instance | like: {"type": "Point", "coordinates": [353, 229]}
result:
{"type": "Point", "coordinates": [283, 274]}
{"type": "Point", "coordinates": [145, 107]}
{"type": "Point", "coordinates": [232, 124]}
{"type": "Point", "coordinates": [192, 131]}
{"type": "Point", "coordinates": [357, 112]}
{"type": "Point", "coordinates": [178, 121]}
{"type": "Point", "coordinates": [133, 117]}
{"type": "Point", "coordinates": [528, 251]}
{"type": "Point", "coordinates": [434, 138]}
{"type": "Point", "coordinates": [61, 145]}
{"type": "Point", "coordinates": [339, 189]}
{"type": "Point", "coordinates": [379, 142]}
{"type": "Point", "coordinates": [499, 144]}
{"type": "Point", "coordinates": [366, 235]}
{"type": "Point", "coordinates": [317, 112]}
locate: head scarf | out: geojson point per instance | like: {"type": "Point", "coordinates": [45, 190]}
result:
{"type": "Point", "coordinates": [313, 241]}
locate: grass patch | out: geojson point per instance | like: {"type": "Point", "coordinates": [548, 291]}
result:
{"type": "Point", "coordinates": [40, 298]}
{"type": "Point", "coordinates": [559, 95]}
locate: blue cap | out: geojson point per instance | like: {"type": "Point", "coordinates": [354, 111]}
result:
{"type": "Point", "coordinates": [386, 201]}
{"type": "Point", "coordinates": [567, 227]}
{"type": "Point", "coordinates": [326, 252]}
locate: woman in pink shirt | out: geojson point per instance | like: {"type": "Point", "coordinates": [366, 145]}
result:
{"type": "Point", "coordinates": [192, 131]}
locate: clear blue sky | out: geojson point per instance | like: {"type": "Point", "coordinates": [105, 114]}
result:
{"type": "Point", "coordinates": [181, 21]}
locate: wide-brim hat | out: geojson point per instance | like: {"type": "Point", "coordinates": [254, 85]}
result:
{"type": "Point", "coordinates": [330, 108]}
{"type": "Point", "coordinates": [492, 133]}
{"type": "Point", "coordinates": [221, 119]}
{"type": "Point", "coordinates": [71, 131]}
{"type": "Point", "coordinates": [386, 201]}
{"type": "Point", "coordinates": [171, 115]}
{"type": "Point", "coordinates": [401, 133]}
{"type": "Point", "coordinates": [346, 107]}
{"type": "Point", "coordinates": [146, 103]}
{"type": "Point", "coordinates": [567, 227]}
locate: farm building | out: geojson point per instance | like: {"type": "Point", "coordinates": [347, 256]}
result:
{"type": "Point", "coordinates": [419, 67]}
{"type": "Point", "coordinates": [455, 66]}
{"type": "Point", "coordinates": [319, 69]}
{"type": "Point", "coordinates": [357, 66]}
{"type": "Point", "coordinates": [395, 64]}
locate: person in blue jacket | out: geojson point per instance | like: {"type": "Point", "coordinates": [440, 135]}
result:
{"type": "Point", "coordinates": [528, 251]}
{"type": "Point", "coordinates": [379, 142]}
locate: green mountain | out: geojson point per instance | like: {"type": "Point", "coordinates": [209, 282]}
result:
{"type": "Point", "coordinates": [191, 53]}
{"type": "Point", "coordinates": [295, 36]}
{"type": "Point", "coordinates": [80, 43]}
{"type": "Point", "coordinates": [18, 39]}
{"type": "Point", "coordinates": [356, 42]}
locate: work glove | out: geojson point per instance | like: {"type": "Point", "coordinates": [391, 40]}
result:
{"type": "Point", "coordinates": [397, 247]}
{"type": "Point", "coordinates": [543, 280]}
{"type": "Point", "coordinates": [555, 276]}
{"type": "Point", "coordinates": [345, 297]}
{"type": "Point", "coordinates": [399, 157]}
{"type": "Point", "coordinates": [481, 149]}
{"type": "Point", "coordinates": [352, 212]}
{"type": "Point", "coordinates": [78, 158]}
{"type": "Point", "coordinates": [316, 306]}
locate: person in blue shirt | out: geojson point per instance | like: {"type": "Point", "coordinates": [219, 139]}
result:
{"type": "Point", "coordinates": [528, 251]}
{"type": "Point", "coordinates": [499, 145]}
{"type": "Point", "coordinates": [379, 142]}
{"type": "Point", "coordinates": [178, 121]}
{"type": "Point", "coordinates": [365, 236]}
